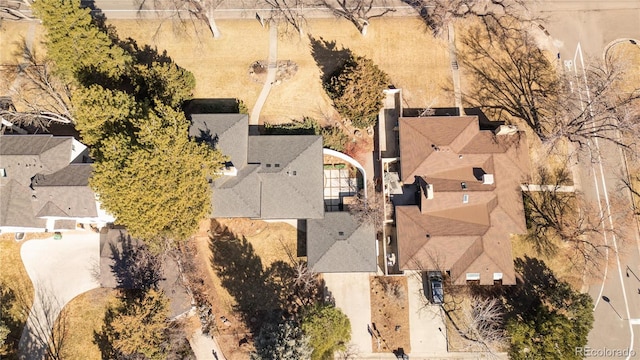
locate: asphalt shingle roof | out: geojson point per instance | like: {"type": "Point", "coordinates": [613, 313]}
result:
{"type": "Point", "coordinates": [338, 243]}
{"type": "Point", "coordinates": [279, 176]}
{"type": "Point", "coordinates": [40, 181]}
{"type": "Point", "coordinates": [465, 227]}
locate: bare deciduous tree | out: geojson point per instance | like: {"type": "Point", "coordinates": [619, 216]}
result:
{"type": "Point", "coordinates": [512, 77]}
{"type": "Point", "coordinates": [185, 12]}
{"type": "Point", "coordinates": [482, 323]}
{"type": "Point", "coordinates": [358, 12]}
{"type": "Point", "coordinates": [516, 81]}
{"type": "Point", "coordinates": [368, 210]}
{"type": "Point", "coordinates": [289, 13]}
{"type": "Point", "coordinates": [566, 219]}
{"type": "Point", "coordinates": [438, 14]}
{"type": "Point", "coordinates": [38, 96]}
{"type": "Point", "coordinates": [350, 352]}
{"type": "Point", "coordinates": [590, 105]}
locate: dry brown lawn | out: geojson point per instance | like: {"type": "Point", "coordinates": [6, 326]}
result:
{"type": "Point", "coordinates": [221, 67]}
{"type": "Point", "coordinates": [415, 61]}
{"type": "Point", "coordinates": [390, 313]}
{"type": "Point", "coordinates": [14, 277]}
{"type": "Point", "coordinates": [271, 242]}
{"type": "Point", "coordinates": [627, 56]}
{"type": "Point", "coordinates": [85, 316]}
{"type": "Point", "coordinates": [12, 35]}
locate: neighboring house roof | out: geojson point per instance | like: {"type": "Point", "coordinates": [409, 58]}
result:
{"type": "Point", "coordinates": [339, 243]}
{"type": "Point", "coordinates": [465, 226]}
{"type": "Point", "coordinates": [65, 193]}
{"type": "Point", "coordinates": [23, 156]}
{"type": "Point", "coordinates": [278, 177]}
{"type": "Point", "coordinates": [40, 182]}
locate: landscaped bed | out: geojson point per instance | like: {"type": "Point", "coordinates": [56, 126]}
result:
{"type": "Point", "coordinates": [390, 314]}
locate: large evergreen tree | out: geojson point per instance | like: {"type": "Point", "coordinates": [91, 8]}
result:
{"type": "Point", "coordinates": [126, 102]}
{"type": "Point", "coordinates": [281, 340]}
{"type": "Point", "coordinates": [548, 319]}
{"type": "Point", "coordinates": [356, 91]}
{"type": "Point", "coordinates": [160, 188]}
{"type": "Point", "coordinates": [79, 48]}
{"type": "Point", "coordinates": [135, 328]}
{"type": "Point", "coordinates": [329, 330]}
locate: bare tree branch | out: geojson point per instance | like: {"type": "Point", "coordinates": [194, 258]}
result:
{"type": "Point", "coordinates": [358, 12]}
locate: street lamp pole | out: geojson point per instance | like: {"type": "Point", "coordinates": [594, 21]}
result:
{"type": "Point", "coordinates": [608, 301]}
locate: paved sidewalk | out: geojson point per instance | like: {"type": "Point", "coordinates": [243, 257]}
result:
{"type": "Point", "coordinates": [60, 270]}
{"type": "Point", "coordinates": [254, 119]}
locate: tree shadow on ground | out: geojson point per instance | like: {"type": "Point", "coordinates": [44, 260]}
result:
{"type": "Point", "coordinates": [329, 57]}
{"type": "Point", "coordinates": [134, 266]}
{"type": "Point", "coordinates": [242, 274]}
{"type": "Point", "coordinates": [535, 283]}
{"type": "Point", "coordinates": [282, 290]}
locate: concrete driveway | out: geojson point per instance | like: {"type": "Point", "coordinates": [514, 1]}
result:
{"type": "Point", "coordinates": [352, 295]}
{"type": "Point", "coordinates": [59, 270]}
{"type": "Point", "coordinates": [428, 332]}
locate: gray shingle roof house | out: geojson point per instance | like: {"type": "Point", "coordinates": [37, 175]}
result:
{"type": "Point", "coordinates": [44, 184]}
{"type": "Point", "coordinates": [339, 243]}
{"type": "Point", "coordinates": [268, 177]}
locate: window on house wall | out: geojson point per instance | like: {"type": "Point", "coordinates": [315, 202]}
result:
{"type": "Point", "coordinates": [497, 278]}
{"type": "Point", "coordinates": [473, 278]}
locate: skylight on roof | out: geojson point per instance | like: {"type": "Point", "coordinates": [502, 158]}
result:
{"type": "Point", "coordinates": [465, 199]}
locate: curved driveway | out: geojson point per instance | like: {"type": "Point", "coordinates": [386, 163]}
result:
{"type": "Point", "coordinates": [59, 270]}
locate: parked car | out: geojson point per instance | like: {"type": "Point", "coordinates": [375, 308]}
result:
{"type": "Point", "coordinates": [436, 291]}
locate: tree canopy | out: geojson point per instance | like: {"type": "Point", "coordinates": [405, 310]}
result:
{"type": "Point", "coordinates": [79, 48]}
{"type": "Point", "coordinates": [135, 327]}
{"type": "Point", "coordinates": [281, 340]}
{"type": "Point", "coordinates": [329, 331]}
{"type": "Point", "coordinates": [548, 319]}
{"type": "Point", "coordinates": [127, 106]}
{"type": "Point", "coordinates": [356, 91]}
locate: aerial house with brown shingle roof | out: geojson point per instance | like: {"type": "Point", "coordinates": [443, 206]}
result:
{"type": "Point", "coordinates": [468, 200]}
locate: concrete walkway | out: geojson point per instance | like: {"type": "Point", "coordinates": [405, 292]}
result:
{"type": "Point", "coordinates": [254, 119]}
{"type": "Point", "coordinates": [353, 296]}
{"type": "Point", "coordinates": [60, 270]}
{"type": "Point", "coordinates": [556, 188]}
{"type": "Point", "coordinates": [205, 347]}
{"type": "Point", "coordinates": [455, 69]}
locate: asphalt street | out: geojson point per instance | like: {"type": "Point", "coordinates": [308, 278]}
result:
{"type": "Point", "coordinates": [583, 31]}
